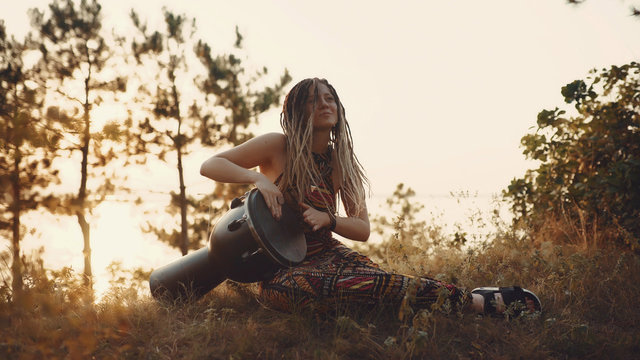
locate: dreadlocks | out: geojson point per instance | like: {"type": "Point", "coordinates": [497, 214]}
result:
{"type": "Point", "coordinates": [300, 172]}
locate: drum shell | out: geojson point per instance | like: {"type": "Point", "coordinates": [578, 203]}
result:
{"type": "Point", "coordinates": [237, 252]}
{"type": "Point", "coordinates": [186, 278]}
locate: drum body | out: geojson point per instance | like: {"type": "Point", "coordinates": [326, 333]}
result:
{"type": "Point", "coordinates": [188, 277]}
{"type": "Point", "coordinates": [249, 245]}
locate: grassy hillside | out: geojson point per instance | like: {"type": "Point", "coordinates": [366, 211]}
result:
{"type": "Point", "coordinates": [589, 294]}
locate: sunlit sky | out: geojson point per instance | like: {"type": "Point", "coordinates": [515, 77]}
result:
{"type": "Point", "coordinates": [437, 93]}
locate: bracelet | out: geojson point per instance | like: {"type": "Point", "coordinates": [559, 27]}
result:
{"type": "Point", "coordinates": [332, 221]}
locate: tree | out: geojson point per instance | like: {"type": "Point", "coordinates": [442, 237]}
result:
{"type": "Point", "coordinates": [589, 162]}
{"type": "Point", "coordinates": [26, 140]}
{"type": "Point", "coordinates": [75, 55]}
{"type": "Point", "coordinates": [635, 11]}
{"type": "Point", "coordinates": [181, 112]}
{"type": "Point", "coordinates": [241, 106]}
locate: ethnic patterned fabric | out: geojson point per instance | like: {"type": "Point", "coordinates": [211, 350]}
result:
{"type": "Point", "coordinates": [333, 275]}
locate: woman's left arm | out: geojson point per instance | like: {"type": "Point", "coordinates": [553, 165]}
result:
{"type": "Point", "coordinates": [351, 227]}
{"type": "Point", "coordinates": [354, 227]}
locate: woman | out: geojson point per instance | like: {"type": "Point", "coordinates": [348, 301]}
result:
{"type": "Point", "coordinates": [306, 166]}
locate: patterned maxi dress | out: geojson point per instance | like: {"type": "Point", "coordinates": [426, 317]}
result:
{"type": "Point", "coordinates": [333, 275]}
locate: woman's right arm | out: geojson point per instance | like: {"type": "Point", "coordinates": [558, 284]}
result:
{"type": "Point", "coordinates": [233, 166]}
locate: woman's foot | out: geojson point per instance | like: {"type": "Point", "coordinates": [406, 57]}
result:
{"type": "Point", "coordinates": [496, 300]}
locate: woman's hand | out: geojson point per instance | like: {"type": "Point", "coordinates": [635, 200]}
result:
{"type": "Point", "coordinates": [272, 195]}
{"type": "Point", "coordinates": [315, 218]}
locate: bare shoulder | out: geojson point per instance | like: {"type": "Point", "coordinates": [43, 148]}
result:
{"type": "Point", "coordinates": [274, 141]}
{"type": "Point", "coordinates": [264, 151]}
{"type": "Point", "coordinates": [272, 145]}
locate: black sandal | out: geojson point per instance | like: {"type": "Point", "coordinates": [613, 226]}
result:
{"type": "Point", "coordinates": [510, 295]}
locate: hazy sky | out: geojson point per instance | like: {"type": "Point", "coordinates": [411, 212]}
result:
{"type": "Point", "coordinates": [438, 93]}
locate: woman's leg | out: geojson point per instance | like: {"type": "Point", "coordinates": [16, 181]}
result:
{"type": "Point", "coordinates": [343, 276]}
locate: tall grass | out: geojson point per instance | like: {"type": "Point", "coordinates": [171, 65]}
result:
{"type": "Point", "coordinates": [589, 293]}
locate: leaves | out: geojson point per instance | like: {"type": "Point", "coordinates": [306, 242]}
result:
{"type": "Point", "coordinates": [27, 143]}
{"type": "Point", "coordinates": [75, 70]}
{"type": "Point", "coordinates": [589, 162]}
{"type": "Point", "coordinates": [219, 115]}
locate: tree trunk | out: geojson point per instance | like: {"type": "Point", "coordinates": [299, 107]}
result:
{"type": "Point", "coordinates": [179, 141]}
{"type": "Point", "coordinates": [86, 251]}
{"type": "Point", "coordinates": [184, 244]}
{"type": "Point", "coordinates": [16, 266]}
{"type": "Point", "coordinates": [82, 194]}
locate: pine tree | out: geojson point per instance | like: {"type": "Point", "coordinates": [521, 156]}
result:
{"type": "Point", "coordinates": [180, 119]}
{"type": "Point", "coordinates": [75, 57]}
{"type": "Point", "coordinates": [27, 145]}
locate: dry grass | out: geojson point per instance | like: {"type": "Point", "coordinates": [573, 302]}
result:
{"type": "Point", "coordinates": [589, 295]}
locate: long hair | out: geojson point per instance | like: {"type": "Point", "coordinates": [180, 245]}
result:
{"type": "Point", "coordinates": [300, 172]}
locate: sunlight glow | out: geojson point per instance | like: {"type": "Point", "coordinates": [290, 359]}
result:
{"type": "Point", "coordinates": [438, 95]}
{"type": "Point", "coordinates": [118, 237]}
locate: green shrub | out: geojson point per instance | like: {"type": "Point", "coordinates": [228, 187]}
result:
{"type": "Point", "coordinates": [589, 162]}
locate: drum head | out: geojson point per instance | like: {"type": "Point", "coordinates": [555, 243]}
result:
{"type": "Point", "coordinates": [283, 239]}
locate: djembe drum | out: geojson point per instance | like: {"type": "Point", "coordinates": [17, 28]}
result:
{"type": "Point", "coordinates": [246, 245]}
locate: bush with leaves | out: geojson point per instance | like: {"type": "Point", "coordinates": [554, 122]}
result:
{"type": "Point", "coordinates": [590, 161]}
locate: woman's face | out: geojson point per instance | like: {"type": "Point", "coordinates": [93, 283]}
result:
{"type": "Point", "coordinates": [325, 112]}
